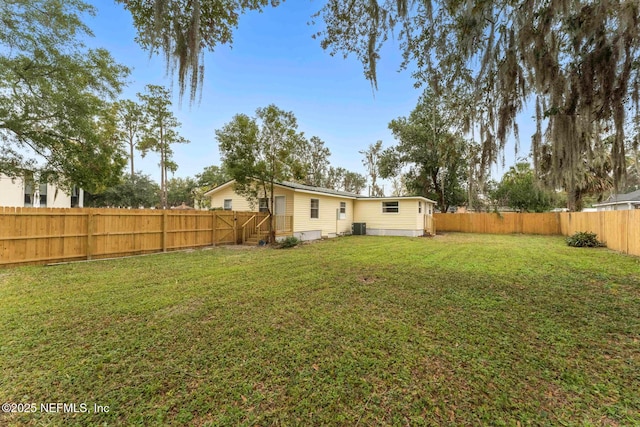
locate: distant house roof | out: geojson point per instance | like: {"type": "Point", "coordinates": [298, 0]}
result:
{"type": "Point", "coordinates": [321, 190]}
{"type": "Point", "coordinates": [183, 207]}
{"type": "Point", "coordinates": [615, 199]}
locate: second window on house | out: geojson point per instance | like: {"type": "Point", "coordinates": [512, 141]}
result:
{"type": "Point", "coordinates": [315, 208]}
{"type": "Point", "coordinates": [227, 204]}
{"type": "Point", "coordinates": [390, 207]}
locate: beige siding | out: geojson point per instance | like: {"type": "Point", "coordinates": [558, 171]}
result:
{"type": "Point", "coordinates": [407, 218]}
{"type": "Point", "coordinates": [11, 192]}
{"type": "Point", "coordinates": [240, 203]}
{"type": "Point", "coordinates": [327, 222]}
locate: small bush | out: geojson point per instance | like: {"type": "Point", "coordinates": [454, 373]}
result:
{"type": "Point", "coordinates": [289, 242]}
{"type": "Point", "coordinates": [584, 239]}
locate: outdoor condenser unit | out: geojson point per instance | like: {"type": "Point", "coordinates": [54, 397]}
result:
{"type": "Point", "coordinates": [359, 228]}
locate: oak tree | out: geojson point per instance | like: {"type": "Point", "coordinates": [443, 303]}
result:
{"type": "Point", "coordinates": [55, 96]}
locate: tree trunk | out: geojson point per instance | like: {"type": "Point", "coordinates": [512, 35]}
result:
{"type": "Point", "coordinates": [272, 223]}
{"type": "Point", "coordinates": [131, 152]}
{"type": "Point", "coordinates": [574, 200]}
{"type": "Point", "coordinates": [163, 171]}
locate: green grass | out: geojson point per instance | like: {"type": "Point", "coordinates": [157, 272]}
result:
{"type": "Point", "coordinates": [454, 330]}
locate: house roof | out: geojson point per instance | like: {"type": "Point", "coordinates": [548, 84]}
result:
{"type": "Point", "coordinates": [615, 199]}
{"type": "Point", "coordinates": [321, 190]}
{"type": "Point", "coordinates": [297, 186]}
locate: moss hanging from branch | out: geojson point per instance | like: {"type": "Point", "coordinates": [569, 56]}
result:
{"type": "Point", "coordinates": [182, 30]}
{"type": "Point", "coordinates": [578, 61]}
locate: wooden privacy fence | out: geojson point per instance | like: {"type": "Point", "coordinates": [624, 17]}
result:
{"type": "Point", "coordinates": [43, 235]}
{"type": "Point", "coordinates": [620, 230]}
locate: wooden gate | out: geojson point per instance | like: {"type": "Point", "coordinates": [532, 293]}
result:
{"type": "Point", "coordinates": [225, 227]}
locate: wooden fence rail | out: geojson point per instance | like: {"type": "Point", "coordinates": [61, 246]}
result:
{"type": "Point", "coordinates": [620, 230]}
{"type": "Point", "coordinates": [45, 235]}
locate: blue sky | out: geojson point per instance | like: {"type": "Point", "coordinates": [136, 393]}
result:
{"type": "Point", "coordinates": [273, 60]}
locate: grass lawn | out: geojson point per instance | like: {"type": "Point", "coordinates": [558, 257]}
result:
{"type": "Point", "coordinates": [358, 331]}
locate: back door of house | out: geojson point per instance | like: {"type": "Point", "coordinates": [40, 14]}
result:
{"type": "Point", "coordinates": [280, 209]}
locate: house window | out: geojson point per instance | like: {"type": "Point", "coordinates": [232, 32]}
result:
{"type": "Point", "coordinates": [227, 204]}
{"type": "Point", "coordinates": [390, 207]}
{"type": "Point", "coordinates": [263, 204]}
{"type": "Point", "coordinates": [419, 207]}
{"type": "Point", "coordinates": [429, 210]}
{"type": "Point", "coordinates": [28, 195]}
{"type": "Point", "coordinates": [315, 208]}
{"type": "Point", "coordinates": [43, 195]}
{"type": "Point", "coordinates": [343, 210]}
{"type": "Point", "coordinates": [75, 197]}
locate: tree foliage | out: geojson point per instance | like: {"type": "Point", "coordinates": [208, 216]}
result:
{"type": "Point", "coordinates": [316, 159]}
{"type": "Point", "coordinates": [134, 191]}
{"type": "Point", "coordinates": [183, 30]}
{"type": "Point", "coordinates": [320, 173]}
{"type": "Point", "coordinates": [371, 162]}
{"type": "Point", "coordinates": [181, 190]}
{"type": "Point", "coordinates": [436, 157]}
{"type": "Point", "coordinates": [576, 61]}
{"type": "Point", "coordinates": [519, 190]}
{"type": "Point", "coordinates": [159, 132]}
{"type": "Point", "coordinates": [593, 177]}
{"type": "Point", "coordinates": [210, 177]}
{"type": "Point", "coordinates": [632, 182]}
{"type": "Point", "coordinates": [55, 96]}
{"type": "Point", "coordinates": [341, 179]}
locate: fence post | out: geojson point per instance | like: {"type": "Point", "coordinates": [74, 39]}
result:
{"type": "Point", "coordinates": [235, 227]}
{"type": "Point", "coordinates": [90, 232]}
{"type": "Point", "coordinates": [164, 230]}
{"type": "Point", "coordinates": [214, 224]}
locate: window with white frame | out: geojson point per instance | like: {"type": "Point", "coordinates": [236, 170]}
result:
{"type": "Point", "coordinates": [43, 195]}
{"type": "Point", "coordinates": [28, 195]}
{"type": "Point", "coordinates": [227, 204]}
{"type": "Point", "coordinates": [315, 208]}
{"type": "Point", "coordinates": [263, 204]}
{"type": "Point", "coordinates": [75, 197]}
{"type": "Point", "coordinates": [390, 207]}
{"type": "Point", "coordinates": [419, 207]}
{"type": "Point", "coordinates": [429, 210]}
{"type": "Point", "coordinates": [343, 210]}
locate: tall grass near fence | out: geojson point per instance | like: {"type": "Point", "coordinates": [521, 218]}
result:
{"type": "Point", "coordinates": [619, 230]}
{"type": "Point", "coordinates": [39, 235]}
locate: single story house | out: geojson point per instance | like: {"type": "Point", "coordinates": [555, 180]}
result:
{"type": "Point", "coordinates": [17, 192]}
{"type": "Point", "coordinates": [620, 202]}
{"type": "Point", "coordinates": [310, 213]}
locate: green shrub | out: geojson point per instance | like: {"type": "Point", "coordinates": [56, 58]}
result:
{"type": "Point", "coordinates": [583, 239]}
{"type": "Point", "coordinates": [289, 242]}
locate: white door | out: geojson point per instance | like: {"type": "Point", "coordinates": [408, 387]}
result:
{"type": "Point", "coordinates": [279, 210]}
{"type": "Point", "coordinates": [281, 206]}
